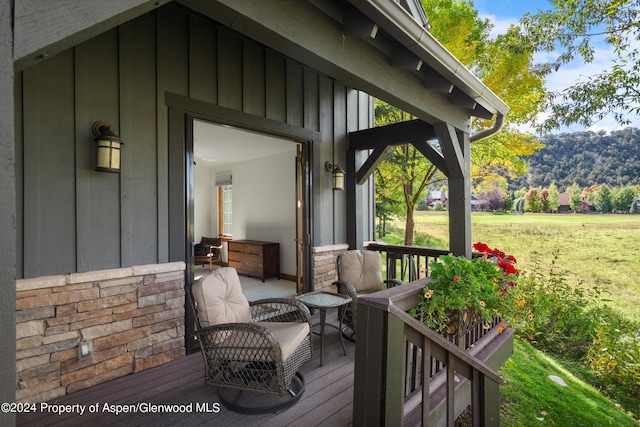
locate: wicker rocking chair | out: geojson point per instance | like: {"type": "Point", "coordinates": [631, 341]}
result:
{"type": "Point", "coordinates": [250, 347]}
{"type": "Point", "coordinates": [359, 272]}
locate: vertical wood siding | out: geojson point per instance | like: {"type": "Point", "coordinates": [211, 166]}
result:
{"type": "Point", "coordinates": [75, 219]}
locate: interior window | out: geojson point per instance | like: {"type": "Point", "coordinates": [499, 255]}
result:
{"type": "Point", "coordinates": [224, 209]}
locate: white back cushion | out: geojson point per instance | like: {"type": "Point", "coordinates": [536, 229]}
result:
{"type": "Point", "coordinates": [363, 269]}
{"type": "Point", "coordinates": [220, 299]}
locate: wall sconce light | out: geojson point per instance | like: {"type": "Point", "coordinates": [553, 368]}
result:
{"type": "Point", "coordinates": [337, 176]}
{"type": "Point", "coordinates": [108, 147]}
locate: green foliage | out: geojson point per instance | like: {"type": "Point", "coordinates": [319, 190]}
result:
{"type": "Point", "coordinates": [551, 312]}
{"type": "Point", "coordinates": [570, 29]}
{"type": "Point", "coordinates": [505, 65]}
{"type": "Point", "coordinates": [481, 284]}
{"type": "Point", "coordinates": [572, 321]}
{"type": "Point", "coordinates": [586, 158]}
{"type": "Point", "coordinates": [604, 199]}
{"type": "Point", "coordinates": [575, 195]}
{"type": "Point", "coordinates": [614, 356]}
{"type": "Point", "coordinates": [554, 200]}
{"type": "Point", "coordinates": [532, 201]}
{"type": "Point", "coordinates": [623, 199]}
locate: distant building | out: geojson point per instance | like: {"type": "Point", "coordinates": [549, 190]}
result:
{"type": "Point", "coordinates": [564, 204]}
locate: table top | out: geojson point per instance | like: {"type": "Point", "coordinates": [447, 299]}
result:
{"type": "Point", "coordinates": [323, 299]}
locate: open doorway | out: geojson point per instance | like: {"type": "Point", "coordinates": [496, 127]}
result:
{"type": "Point", "coordinates": [245, 190]}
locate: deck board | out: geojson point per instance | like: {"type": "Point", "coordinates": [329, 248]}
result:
{"type": "Point", "coordinates": [327, 400]}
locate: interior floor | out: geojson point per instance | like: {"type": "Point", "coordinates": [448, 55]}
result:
{"type": "Point", "coordinates": [255, 289]}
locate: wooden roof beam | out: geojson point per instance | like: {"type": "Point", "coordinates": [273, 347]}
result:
{"type": "Point", "coordinates": [393, 134]}
{"type": "Point", "coordinates": [433, 155]}
{"type": "Point", "coordinates": [433, 80]}
{"type": "Point", "coordinates": [451, 150]}
{"type": "Point", "coordinates": [355, 24]}
{"type": "Point", "coordinates": [371, 164]}
{"type": "Point", "coordinates": [461, 99]}
{"type": "Point", "coordinates": [405, 59]}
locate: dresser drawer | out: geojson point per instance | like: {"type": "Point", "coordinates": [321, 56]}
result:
{"type": "Point", "coordinates": [239, 266]}
{"type": "Point", "coordinates": [236, 256]}
{"type": "Point", "coordinates": [251, 248]}
{"type": "Point", "coordinates": [253, 270]}
{"type": "Point", "coordinates": [252, 258]}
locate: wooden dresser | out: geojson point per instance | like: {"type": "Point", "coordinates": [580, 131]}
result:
{"type": "Point", "coordinates": [255, 258]}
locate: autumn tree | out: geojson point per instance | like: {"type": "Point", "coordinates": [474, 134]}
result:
{"type": "Point", "coordinates": [571, 30]}
{"type": "Point", "coordinates": [506, 67]}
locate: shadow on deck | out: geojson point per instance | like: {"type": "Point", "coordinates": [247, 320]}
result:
{"type": "Point", "coordinates": [327, 400]}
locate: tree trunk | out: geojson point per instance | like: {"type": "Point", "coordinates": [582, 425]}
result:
{"type": "Point", "coordinates": [409, 227]}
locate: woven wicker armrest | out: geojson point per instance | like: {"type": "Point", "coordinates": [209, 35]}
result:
{"type": "Point", "coordinates": [279, 310]}
{"type": "Point", "coordinates": [346, 288]}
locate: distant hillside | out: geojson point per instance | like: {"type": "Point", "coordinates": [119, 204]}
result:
{"type": "Point", "coordinates": [587, 158]}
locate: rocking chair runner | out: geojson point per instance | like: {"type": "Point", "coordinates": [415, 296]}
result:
{"type": "Point", "coordinates": [359, 272]}
{"type": "Point", "coordinates": [250, 346]}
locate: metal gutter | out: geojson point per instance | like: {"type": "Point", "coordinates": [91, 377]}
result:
{"type": "Point", "coordinates": [397, 22]}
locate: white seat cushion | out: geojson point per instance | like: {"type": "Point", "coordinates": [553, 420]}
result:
{"type": "Point", "coordinates": [219, 298]}
{"type": "Point", "coordinates": [362, 269]}
{"type": "Point", "coordinates": [289, 334]}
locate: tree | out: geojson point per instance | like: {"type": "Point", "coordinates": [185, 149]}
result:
{"type": "Point", "coordinates": [554, 197]}
{"type": "Point", "coordinates": [603, 199]}
{"type": "Point", "coordinates": [505, 65]}
{"type": "Point", "coordinates": [623, 199]}
{"type": "Point", "coordinates": [404, 175]}
{"type": "Point", "coordinates": [570, 29]}
{"type": "Point", "coordinates": [544, 200]}
{"type": "Point", "coordinates": [575, 196]}
{"type": "Point", "coordinates": [532, 200]}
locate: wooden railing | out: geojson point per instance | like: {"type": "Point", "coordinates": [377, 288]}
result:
{"type": "Point", "coordinates": [406, 263]}
{"type": "Point", "coordinates": [407, 374]}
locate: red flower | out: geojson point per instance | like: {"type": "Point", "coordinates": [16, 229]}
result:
{"type": "Point", "coordinates": [481, 247]}
{"type": "Point", "coordinates": [456, 278]}
{"type": "Point", "coordinates": [507, 267]}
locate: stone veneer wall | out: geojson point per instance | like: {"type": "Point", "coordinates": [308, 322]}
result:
{"type": "Point", "coordinates": [324, 266]}
{"type": "Point", "coordinates": [134, 317]}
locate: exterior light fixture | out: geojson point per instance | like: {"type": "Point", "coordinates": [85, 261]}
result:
{"type": "Point", "coordinates": [108, 147]}
{"type": "Point", "coordinates": [337, 176]}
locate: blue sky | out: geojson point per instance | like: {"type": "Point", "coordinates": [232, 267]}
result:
{"type": "Point", "coordinates": [505, 12]}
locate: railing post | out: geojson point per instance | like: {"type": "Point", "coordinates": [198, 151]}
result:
{"type": "Point", "coordinates": [378, 379]}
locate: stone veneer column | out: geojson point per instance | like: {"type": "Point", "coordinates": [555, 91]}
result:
{"type": "Point", "coordinates": [134, 317]}
{"type": "Point", "coordinates": [324, 266]}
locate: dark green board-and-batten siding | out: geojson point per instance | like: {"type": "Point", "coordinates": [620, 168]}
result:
{"type": "Point", "coordinates": [71, 218]}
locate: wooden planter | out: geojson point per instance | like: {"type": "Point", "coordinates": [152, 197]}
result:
{"type": "Point", "coordinates": [460, 322]}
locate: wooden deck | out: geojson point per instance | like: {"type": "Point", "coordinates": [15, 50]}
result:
{"type": "Point", "coordinates": [327, 400]}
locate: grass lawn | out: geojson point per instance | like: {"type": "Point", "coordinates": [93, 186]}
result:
{"type": "Point", "coordinates": [532, 399]}
{"type": "Point", "coordinates": [597, 250]}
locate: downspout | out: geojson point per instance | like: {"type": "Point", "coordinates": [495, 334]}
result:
{"type": "Point", "coordinates": [488, 132]}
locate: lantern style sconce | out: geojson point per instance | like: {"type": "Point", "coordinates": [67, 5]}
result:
{"type": "Point", "coordinates": [337, 176]}
{"type": "Point", "coordinates": [108, 148]}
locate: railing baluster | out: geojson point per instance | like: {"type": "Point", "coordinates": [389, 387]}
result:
{"type": "Point", "coordinates": [426, 380]}
{"type": "Point", "coordinates": [451, 373]}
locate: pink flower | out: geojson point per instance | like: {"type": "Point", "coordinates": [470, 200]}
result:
{"type": "Point", "coordinates": [456, 278]}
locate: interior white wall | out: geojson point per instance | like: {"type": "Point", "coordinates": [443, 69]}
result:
{"type": "Point", "coordinates": [264, 203]}
{"type": "Point", "coordinates": [204, 199]}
